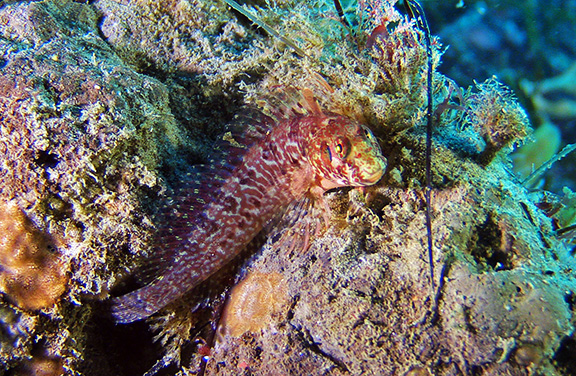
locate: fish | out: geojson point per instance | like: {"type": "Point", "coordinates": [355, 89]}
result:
{"type": "Point", "coordinates": [279, 160]}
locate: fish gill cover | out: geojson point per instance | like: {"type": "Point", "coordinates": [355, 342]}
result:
{"type": "Point", "coordinates": [108, 106]}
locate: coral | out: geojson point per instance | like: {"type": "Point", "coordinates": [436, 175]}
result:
{"type": "Point", "coordinates": [34, 273]}
{"type": "Point", "coordinates": [367, 284]}
{"type": "Point", "coordinates": [252, 302]}
{"type": "Point", "coordinates": [498, 117]}
{"type": "Point", "coordinates": [15, 338]}
{"type": "Point", "coordinates": [527, 49]}
{"type": "Point", "coordinates": [193, 37]}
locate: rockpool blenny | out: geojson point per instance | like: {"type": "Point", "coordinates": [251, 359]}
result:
{"type": "Point", "coordinates": [276, 162]}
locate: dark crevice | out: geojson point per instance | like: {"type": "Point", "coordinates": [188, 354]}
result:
{"type": "Point", "coordinates": [564, 357]}
{"type": "Point", "coordinates": [46, 159]}
{"type": "Point", "coordinates": [486, 247]}
{"type": "Point", "coordinates": [308, 342]}
{"type": "Point", "coordinates": [570, 298]}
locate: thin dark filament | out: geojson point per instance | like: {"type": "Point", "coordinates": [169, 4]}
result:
{"type": "Point", "coordinates": [566, 229]}
{"type": "Point", "coordinates": [416, 11]}
{"type": "Point", "coordinates": [340, 11]}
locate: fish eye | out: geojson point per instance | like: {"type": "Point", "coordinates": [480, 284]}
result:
{"type": "Point", "coordinates": [339, 148]}
{"type": "Point", "coordinates": [342, 147]}
{"type": "Point", "coordinates": [368, 134]}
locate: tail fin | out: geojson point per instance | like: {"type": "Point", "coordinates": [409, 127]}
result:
{"type": "Point", "coordinates": [139, 304]}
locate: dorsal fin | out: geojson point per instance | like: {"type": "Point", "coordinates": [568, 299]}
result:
{"type": "Point", "coordinates": [286, 101]}
{"type": "Point", "coordinates": [202, 182]}
{"type": "Point", "coordinates": [197, 188]}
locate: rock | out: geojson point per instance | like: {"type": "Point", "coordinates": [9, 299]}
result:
{"type": "Point", "coordinates": [105, 106]}
{"type": "Point", "coordinates": [82, 137]}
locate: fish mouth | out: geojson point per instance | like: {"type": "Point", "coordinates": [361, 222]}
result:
{"type": "Point", "coordinates": [372, 177]}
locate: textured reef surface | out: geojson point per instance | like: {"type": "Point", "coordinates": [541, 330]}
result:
{"type": "Point", "coordinates": [106, 105]}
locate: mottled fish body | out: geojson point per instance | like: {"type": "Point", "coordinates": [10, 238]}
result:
{"type": "Point", "coordinates": [295, 157]}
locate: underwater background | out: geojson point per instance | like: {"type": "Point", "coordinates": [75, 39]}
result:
{"type": "Point", "coordinates": [529, 47]}
{"type": "Point", "coordinates": [108, 105]}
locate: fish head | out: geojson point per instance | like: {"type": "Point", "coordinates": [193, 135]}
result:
{"type": "Point", "coordinates": [344, 153]}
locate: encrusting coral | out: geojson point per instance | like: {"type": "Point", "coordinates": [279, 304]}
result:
{"type": "Point", "coordinates": [252, 302]}
{"type": "Point", "coordinates": [77, 141]}
{"type": "Point", "coordinates": [34, 274]}
{"type": "Point", "coordinates": [97, 132]}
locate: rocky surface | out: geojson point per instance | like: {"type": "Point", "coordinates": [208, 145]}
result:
{"type": "Point", "coordinates": [106, 104]}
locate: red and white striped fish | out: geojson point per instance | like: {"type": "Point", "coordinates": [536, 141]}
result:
{"type": "Point", "coordinates": [281, 160]}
